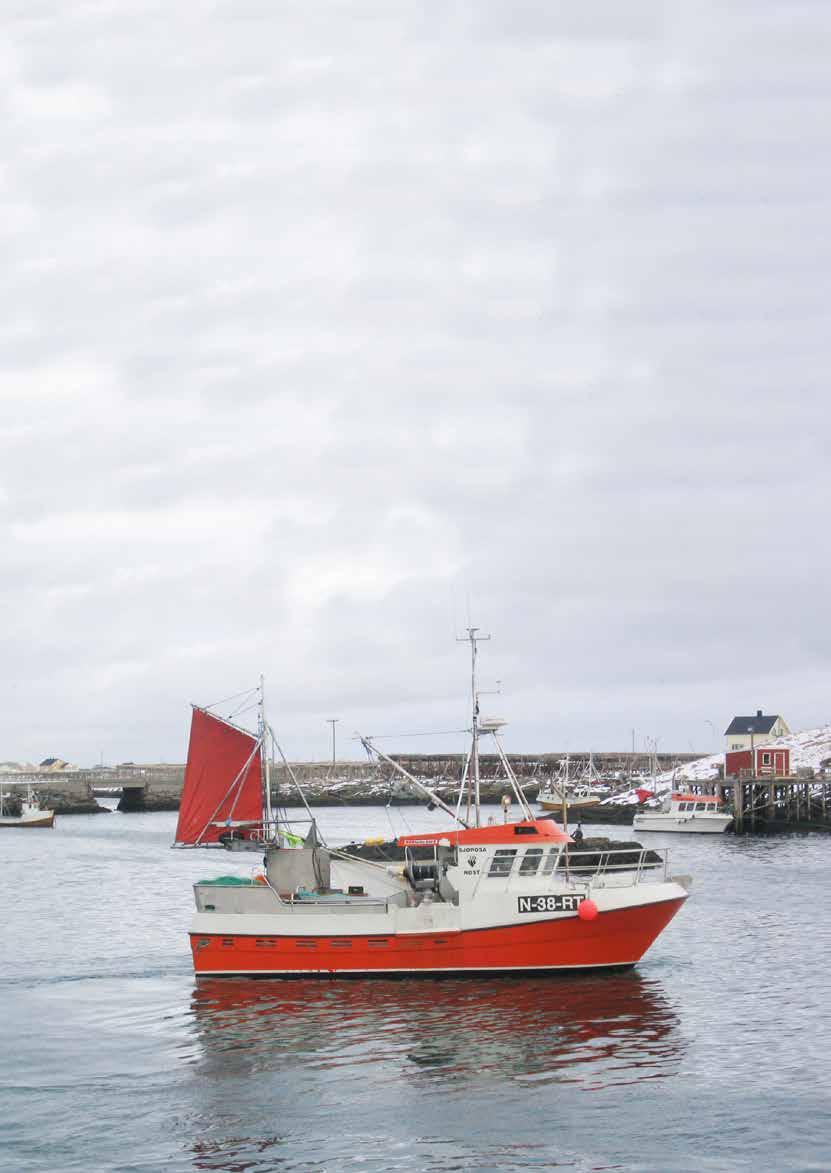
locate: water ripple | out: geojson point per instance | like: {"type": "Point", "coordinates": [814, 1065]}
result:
{"type": "Point", "coordinates": [115, 1059]}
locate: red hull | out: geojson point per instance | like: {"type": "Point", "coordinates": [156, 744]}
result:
{"type": "Point", "coordinates": [614, 938]}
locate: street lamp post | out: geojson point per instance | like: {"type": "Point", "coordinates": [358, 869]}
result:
{"type": "Point", "coordinates": [712, 733]}
{"type": "Point", "coordinates": [333, 722]}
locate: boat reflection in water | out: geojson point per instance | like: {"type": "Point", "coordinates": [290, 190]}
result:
{"type": "Point", "coordinates": [348, 1062]}
{"type": "Point", "coordinates": [595, 1032]}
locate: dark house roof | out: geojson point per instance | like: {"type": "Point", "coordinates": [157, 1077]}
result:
{"type": "Point", "coordinates": [758, 724]}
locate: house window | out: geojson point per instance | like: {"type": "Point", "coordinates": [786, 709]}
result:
{"type": "Point", "coordinates": [502, 862]}
{"type": "Point", "coordinates": [765, 759]}
{"type": "Point", "coordinates": [531, 862]}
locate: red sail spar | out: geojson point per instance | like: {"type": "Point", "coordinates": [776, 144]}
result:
{"type": "Point", "coordinates": [222, 780]}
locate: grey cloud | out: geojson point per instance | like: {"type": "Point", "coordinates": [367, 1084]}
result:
{"type": "Point", "coordinates": [314, 324]}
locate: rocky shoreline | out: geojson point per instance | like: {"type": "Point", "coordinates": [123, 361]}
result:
{"type": "Point", "coordinates": [363, 792]}
{"type": "Point", "coordinates": [70, 806]}
{"type": "Point", "coordinates": [350, 794]}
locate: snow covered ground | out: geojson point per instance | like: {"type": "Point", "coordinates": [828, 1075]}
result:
{"type": "Point", "coordinates": [810, 748]}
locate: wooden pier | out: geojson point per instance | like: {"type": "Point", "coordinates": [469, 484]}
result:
{"type": "Point", "coordinates": [769, 803]}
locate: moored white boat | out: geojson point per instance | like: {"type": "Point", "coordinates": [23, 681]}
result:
{"type": "Point", "coordinates": [31, 813]}
{"type": "Point", "coordinates": [692, 814]}
{"type": "Point", "coordinates": [497, 898]}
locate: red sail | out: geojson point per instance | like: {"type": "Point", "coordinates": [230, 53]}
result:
{"type": "Point", "coordinates": [222, 780]}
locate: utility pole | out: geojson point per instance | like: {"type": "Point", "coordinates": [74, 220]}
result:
{"type": "Point", "coordinates": [333, 722]}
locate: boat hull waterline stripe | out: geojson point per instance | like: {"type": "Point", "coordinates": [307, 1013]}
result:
{"type": "Point", "coordinates": [455, 972]}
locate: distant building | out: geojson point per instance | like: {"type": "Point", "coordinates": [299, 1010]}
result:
{"type": "Point", "coordinates": [54, 765]}
{"type": "Point", "coordinates": [742, 732]}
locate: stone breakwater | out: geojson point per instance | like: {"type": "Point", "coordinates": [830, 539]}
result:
{"type": "Point", "coordinates": [76, 792]}
{"type": "Point", "coordinates": [159, 787]}
{"type": "Point", "coordinates": [65, 793]}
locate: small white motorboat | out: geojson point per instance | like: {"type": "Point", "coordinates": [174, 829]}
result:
{"type": "Point", "coordinates": [692, 814]}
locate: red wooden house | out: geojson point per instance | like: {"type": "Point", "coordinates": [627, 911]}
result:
{"type": "Point", "coordinates": [772, 761]}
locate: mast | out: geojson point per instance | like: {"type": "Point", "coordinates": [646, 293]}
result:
{"type": "Point", "coordinates": [564, 797]}
{"type": "Point", "coordinates": [474, 639]}
{"type": "Point", "coordinates": [265, 771]}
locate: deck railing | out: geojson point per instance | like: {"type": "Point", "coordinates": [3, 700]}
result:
{"type": "Point", "coordinates": [619, 864]}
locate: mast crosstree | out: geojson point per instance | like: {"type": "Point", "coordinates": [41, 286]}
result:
{"type": "Point", "coordinates": [471, 771]}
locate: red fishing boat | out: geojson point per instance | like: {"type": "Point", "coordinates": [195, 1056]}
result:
{"type": "Point", "coordinates": [510, 897]}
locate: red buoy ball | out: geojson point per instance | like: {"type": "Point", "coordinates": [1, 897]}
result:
{"type": "Point", "coordinates": [587, 910]}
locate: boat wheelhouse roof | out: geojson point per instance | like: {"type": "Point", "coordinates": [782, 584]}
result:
{"type": "Point", "coordinates": [697, 798]}
{"type": "Point", "coordinates": [495, 833]}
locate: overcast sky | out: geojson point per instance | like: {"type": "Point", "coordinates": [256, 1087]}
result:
{"type": "Point", "coordinates": [325, 326]}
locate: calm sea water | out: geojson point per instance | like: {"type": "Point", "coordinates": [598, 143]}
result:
{"type": "Point", "coordinates": [714, 1054]}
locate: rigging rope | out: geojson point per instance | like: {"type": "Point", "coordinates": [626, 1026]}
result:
{"type": "Point", "coordinates": [233, 697]}
{"type": "Point", "coordinates": [244, 708]}
{"type": "Point", "coordinates": [429, 733]}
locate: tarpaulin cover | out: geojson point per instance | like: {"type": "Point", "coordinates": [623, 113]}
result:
{"type": "Point", "coordinates": [216, 755]}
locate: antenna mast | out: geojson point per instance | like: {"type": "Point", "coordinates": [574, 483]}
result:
{"type": "Point", "coordinates": [265, 772]}
{"type": "Point", "coordinates": [473, 639]}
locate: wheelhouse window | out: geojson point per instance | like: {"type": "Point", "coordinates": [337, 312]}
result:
{"type": "Point", "coordinates": [531, 861]}
{"type": "Point", "coordinates": [550, 861]}
{"type": "Point", "coordinates": [701, 806]}
{"type": "Point", "coordinates": [502, 862]}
